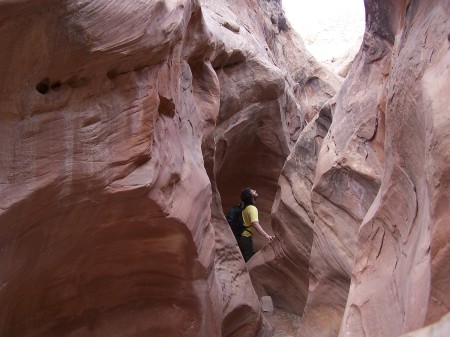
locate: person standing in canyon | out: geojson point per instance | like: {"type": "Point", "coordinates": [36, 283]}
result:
{"type": "Point", "coordinates": [251, 222]}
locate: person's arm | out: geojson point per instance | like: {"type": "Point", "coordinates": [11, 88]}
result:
{"type": "Point", "coordinates": [262, 231]}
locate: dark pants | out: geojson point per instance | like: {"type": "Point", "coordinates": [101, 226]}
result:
{"type": "Point", "coordinates": [246, 246]}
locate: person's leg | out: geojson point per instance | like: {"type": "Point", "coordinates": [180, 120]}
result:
{"type": "Point", "coordinates": [246, 246]}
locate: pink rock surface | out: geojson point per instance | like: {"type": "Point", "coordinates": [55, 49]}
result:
{"type": "Point", "coordinates": [399, 272]}
{"type": "Point", "coordinates": [118, 123]}
{"type": "Point", "coordinates": [97, 229]}
{"type": "Point", "coordinates": [127, 128]}
{"type": "Point", "coordinates": [377, 261]}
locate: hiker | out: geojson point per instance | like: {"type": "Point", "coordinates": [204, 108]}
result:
{"type": "Point", "coordinates": [251, 222]}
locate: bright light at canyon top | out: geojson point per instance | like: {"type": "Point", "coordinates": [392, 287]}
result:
{"type": "Point", "coordinates": [329, 28]}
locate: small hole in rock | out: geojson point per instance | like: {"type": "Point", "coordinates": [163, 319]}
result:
{"type": "Point", "coordinates": [166, 106]}
{"type": "Point", "coordinates": [43, 86]}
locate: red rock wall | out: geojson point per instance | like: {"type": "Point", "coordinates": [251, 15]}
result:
{"type": "Point", "coordinates": [126, 128]}
{"type": "Point", "coordinates": [376, 264]}
{"type": "Point", "coordinates": [101, 168]}
{"type": "Point", "coordinates": [119, 124]}
{"type": "Point", "coordinates": [399, 273]}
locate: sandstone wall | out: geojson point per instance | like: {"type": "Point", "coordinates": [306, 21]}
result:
{"type": "Point", "coordinates": [127, 128]}
{"type": "Point", "coordinates": [399, 272]}
{"type": "Point", "coordinates": [101, 168]}
{"type": "Point", "coordinates": [119, 122]}
{"type": "Point", "coordinates": [365, 203]}
{"type": "Point", "coordinates": [377, 259]}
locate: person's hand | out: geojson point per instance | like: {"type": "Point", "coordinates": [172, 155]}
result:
{"type": "Point", "coordinates": [270, 237]}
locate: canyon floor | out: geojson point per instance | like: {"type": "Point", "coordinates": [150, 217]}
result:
{"type": "Point", "coordinates": [285, 324]}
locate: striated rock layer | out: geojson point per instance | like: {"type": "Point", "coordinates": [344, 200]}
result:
{"type": "Point", "coordinates": [101, 168]}
{"type": "Point", "coordinates": [128, 127]}
{"type": "Point", "coordinates": [361, 199]}
{"type": "Point", "coordinates": [399, 275]}
{"type": "Point", "coordinates": [380, 182]}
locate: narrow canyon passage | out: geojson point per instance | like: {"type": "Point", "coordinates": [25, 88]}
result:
{"type": "Point", "coordinates": [129, 128]}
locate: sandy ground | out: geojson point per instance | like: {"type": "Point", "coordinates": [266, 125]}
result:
{"type": "Point", "coordinates": [284, 324]}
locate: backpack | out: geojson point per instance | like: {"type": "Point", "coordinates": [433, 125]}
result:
{"type": "Point", "coordinates": [236, 222]}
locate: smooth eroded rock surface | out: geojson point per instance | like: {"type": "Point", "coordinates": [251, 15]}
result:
{"type": "Point", "coordinates": [128, 128]}
{"type": "Point", "coordinates": [120, 124]}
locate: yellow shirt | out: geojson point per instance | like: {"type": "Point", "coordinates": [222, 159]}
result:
{"type": "Point", "coordinates": [249, 215]}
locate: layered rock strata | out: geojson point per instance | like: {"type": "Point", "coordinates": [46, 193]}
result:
{"type": "Point", "coordinates": [377, 258]}
{"type": "Point", "coordinates": [399, 271]}
{"type": "Point", "coordinates": [126, 128]}
{"type": "Point", "coordinates": [120, 122]}
{"type": "Point", "coordinates": [371, 193]}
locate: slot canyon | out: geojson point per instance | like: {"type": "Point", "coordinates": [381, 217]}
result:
{"type": "Point", "coordinates": [129, 128]}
